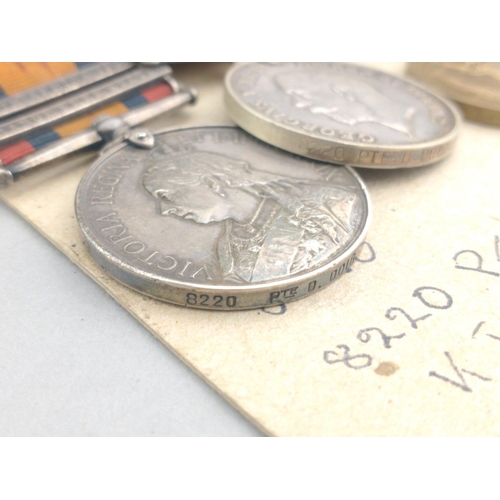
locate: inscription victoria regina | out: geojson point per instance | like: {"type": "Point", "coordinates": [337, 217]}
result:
{"type": "Point", "coordinates": [213, 218]}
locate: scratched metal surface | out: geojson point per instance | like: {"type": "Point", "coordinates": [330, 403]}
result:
{"type": "Point", "coordinates": [405, 344]}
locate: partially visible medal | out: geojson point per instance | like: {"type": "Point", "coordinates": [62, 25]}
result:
{"type": "Point", "coordinates": [341, 113]}
{"type": "Point", "coordinates": [212, 218]}
{"type": "Point", "coordinates": [474, 86]}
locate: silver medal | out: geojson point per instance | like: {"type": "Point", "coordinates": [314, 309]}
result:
{"type": "Point", "coordinates": [212, 218]}
{"type": "Point", "coordinates": [341, 113]}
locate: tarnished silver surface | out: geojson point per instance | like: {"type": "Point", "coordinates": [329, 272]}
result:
{"type": "Point", "coordinates": [341, 113]}
{"type": "Point", "coordinates": [76, 104]}
{"type": "Point", "coordinates": [61, 86]}
{"type": "Point", "coordinates": [213, 218]}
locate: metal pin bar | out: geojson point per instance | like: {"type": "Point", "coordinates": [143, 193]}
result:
{"type": "Point", "coordinates": [91, 137]}
{"type": "Point", "coordinates": [61, 86]}
{"type": "Point", "coordinates": [79, 103]}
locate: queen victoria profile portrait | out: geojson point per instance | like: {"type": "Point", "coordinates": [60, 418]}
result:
{"type": "Point", "coordinates": [346, 99]}
{"type": "Point", "coordinates": [271, 225]}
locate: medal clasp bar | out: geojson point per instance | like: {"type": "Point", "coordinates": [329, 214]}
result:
{"type": "Point", "coordinates": [42, 94]}
{"type": "Point", "coordinates": [77, 103]}
{"type": "Point", "coordinates": [94, 135]}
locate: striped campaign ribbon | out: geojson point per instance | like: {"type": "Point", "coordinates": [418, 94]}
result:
{"type": "Point", "coordinates": [17, 77]}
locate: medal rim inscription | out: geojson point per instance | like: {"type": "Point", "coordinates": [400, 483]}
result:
{"type": "Point", "coordinates": [299, 142]}
{"type": "Point", "coordinates": [250, 296]}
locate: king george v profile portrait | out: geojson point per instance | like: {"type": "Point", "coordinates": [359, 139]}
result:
{"type": "Point", "coordinates": [272, 225]}
{"type": "Point", "coordinates": [346, 99]}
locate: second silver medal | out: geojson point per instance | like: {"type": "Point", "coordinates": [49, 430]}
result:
{"type": "Point", "coordinates": [341, 113]}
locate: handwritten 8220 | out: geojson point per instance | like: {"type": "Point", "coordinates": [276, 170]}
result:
{"type": "Point", "coordinates": [431, 301]}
